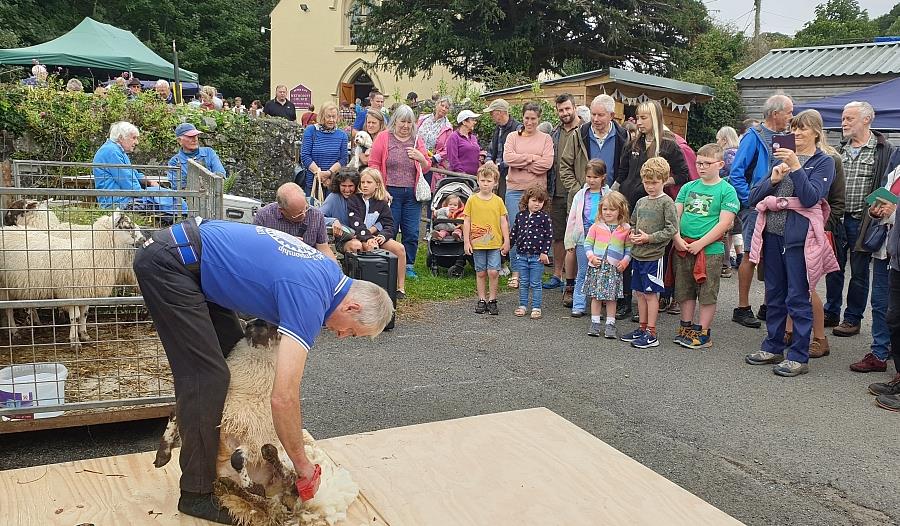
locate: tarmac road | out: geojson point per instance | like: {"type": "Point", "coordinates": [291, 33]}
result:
{"type": "Point", "coordinates": [812, 450]}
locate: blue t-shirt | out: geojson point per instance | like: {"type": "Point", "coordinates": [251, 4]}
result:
{"type": "Point", "coordinates": [271, 275]}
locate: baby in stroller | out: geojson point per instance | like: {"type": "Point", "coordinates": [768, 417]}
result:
{"type": "Point", "coordinates": [451, 208]}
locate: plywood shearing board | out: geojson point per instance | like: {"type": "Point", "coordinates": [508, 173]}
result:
{"type": "Point", "coordinates": [528, 467]}
{"type": "Point", "coordinates": [111, 491]}
{"type": "Point", "coordinates": [521, 468]}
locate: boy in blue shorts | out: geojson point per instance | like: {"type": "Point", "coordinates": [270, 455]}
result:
{"type": "Point", "coordinates": [486, 235]}
{"type": "Point", "coordinates": [653, 226]}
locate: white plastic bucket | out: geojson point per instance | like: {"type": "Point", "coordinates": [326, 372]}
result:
{"type": "Point", "coordinates": [33, 385]}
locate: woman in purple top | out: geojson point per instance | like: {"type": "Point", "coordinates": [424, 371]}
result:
{"type": "Point", "coordinates": [462, 146]}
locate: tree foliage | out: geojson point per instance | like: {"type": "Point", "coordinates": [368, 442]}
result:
{"type": "Point", "coordinates": [220, 40]}
{"type": "Point", "coordinates": [712, 59]}
{"type": "Point", "coordinates": [529, 36]}
{"type": "Point", "coordinates": [888, 24]}
{"type": "Point", "coordinates": [837, 22]}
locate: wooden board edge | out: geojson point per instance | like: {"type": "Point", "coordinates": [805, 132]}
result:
{"type": "Point", "coordinates": [88, 418]}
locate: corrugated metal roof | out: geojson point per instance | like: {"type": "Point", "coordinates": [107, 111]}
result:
{"type": "Point", "coordinates": [622, 76]}
{"type": "Point", "coordinates": [877, 58]}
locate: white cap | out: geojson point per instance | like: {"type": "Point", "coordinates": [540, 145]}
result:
{"type": "Point", "coordinates": [466, 114]}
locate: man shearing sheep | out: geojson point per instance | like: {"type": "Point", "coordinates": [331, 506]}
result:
{"type": "Point", "coordinates": [195, 276]}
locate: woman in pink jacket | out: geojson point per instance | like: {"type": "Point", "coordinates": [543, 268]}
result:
{"type": "Point", "coordinates": [529, 155]}
{"type": "Point", "coordinates": [400, 156]}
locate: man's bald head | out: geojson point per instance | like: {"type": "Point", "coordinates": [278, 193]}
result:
{"type": "Point", "coordinates": [291, 199]}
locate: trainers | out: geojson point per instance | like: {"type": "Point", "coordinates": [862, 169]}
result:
{"type": "Point", "coordinates": [400, 295]}
{"type": "Point", "coordinates": [745, 317]}
{"type": "Point", "coordinates": [763, 358]}
{"type": "Point", "coordinates": [480, 307]}
{"type": "Point", "coordinates": [610, 331]}
{"type": "Point", "coordinates": [846, 329]}
{"type": "Point", "coordinates": [869, 364]}
{"type": "Point", "coordinates": [679, 334]}
{"type": "Point", "coordinates": [790, 368]}
{"type": "Point", "coordinates": [726, 272]}
{"type": "Point", "coordinates": [761, 313]}
{"type": "Point", "coordinates": [553, 283]}
{"type": "Point", "coordinates": [594, 330]}
{"type": "Point", "coordinates": [410, 272]}
{"type": "Point", "coordinates": [632, 336]}
{"type": "Point", "coordinates": [204, 506]}
{"type": "Point", "coordinates": [623, 311]}
{"type": "Point", "coordinates": [636, 318]}
{"type": "Point", "coordinates": [674, 308]}
{"type": "Point", "coordinates": [646, 341]}
{"type": "Point", "coordinates": [577, 314]}
{"type": "Point", "coordinates": [889, 388]}
{"type": "Point", "coordinates": [889, 402]}
{"type": "Point", "coordinates": [696, 339]}
{"type": "Point", "coordinates": [493, 308]}
{"type": "Point", "coordinates": [663, 304]}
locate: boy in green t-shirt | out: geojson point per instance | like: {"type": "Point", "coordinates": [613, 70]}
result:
{"type": "Point", "coordinates": [486, 235]}
{"type": "Point", "coordinates": [706, 208]}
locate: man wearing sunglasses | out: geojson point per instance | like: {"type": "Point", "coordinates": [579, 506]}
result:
{"type": "Point", "coordinates": [291, 214]}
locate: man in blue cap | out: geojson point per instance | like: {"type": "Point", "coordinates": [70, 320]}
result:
{"type": "Point", "coordinates": [186, 135]}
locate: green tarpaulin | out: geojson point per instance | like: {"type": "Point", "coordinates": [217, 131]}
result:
{"type": "Point", "coordinates": [94, 45]}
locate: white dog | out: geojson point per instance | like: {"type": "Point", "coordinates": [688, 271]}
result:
{"type": "Point", "coordinates": [363, 142]}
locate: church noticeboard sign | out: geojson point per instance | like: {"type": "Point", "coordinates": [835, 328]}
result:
{"type": "Point", "coordinates": [301, 96]}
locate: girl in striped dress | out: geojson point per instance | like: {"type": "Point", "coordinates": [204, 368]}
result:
{"type": "Point", "coordinates": [607, 246]}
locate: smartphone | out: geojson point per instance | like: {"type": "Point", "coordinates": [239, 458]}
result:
{"type": "Point", "coordinates": [784, 140]}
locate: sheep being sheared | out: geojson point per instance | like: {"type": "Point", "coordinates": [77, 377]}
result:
{"type": "Point", "coordinates": [256, 477]}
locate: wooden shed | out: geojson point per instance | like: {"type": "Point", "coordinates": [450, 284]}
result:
{"type": "Point", "coordinates": [809, 73]}
{"type": "Point", "coordinates": [628, 88]}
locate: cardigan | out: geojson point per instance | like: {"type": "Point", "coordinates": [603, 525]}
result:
{"type": "Point", "coordinates": [379, 151]}
{"type": "Point", "coordinates": [357, 212]}
{"type": "Point", "coordinates": [613, 246]}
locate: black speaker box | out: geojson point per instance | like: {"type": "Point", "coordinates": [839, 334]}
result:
{"type": "Point", "coordinates": [376, 266]}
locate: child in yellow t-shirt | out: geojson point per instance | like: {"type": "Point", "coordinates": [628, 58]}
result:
{"type": "Point", "coordinates": [486, 235]}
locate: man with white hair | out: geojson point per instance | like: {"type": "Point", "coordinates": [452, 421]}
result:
{"type": "Point", "coordinates": [291, 213]}
{"type": "Point", "coordinates": [601, 138]}
{"type": "Point", "coordinates": [164, 92]}
{"type": "Point", "coordinates": [123, 137]}
{"type": "Point", "coordinates": [195, 277]}
{"type": "Point", "coordinates": [752, 163]}
{"type": "Point", "coordinates": [865, 154]}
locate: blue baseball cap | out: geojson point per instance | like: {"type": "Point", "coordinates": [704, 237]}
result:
{"type": "Point", "coordinates": [186, 128]}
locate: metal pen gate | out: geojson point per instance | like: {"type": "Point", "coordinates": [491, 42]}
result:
{"type": "Point", "coordinates": [75, 336]}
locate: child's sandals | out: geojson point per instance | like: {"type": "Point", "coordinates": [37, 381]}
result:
{"type": "Point", "coordinates": [536, 314]}
{"type": "Point", "coordinates": [520, 311]}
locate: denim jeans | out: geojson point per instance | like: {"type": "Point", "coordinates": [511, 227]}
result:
{"type": "Point", "coordinates": [858, 289]}
{"type": "Point", "coordinates": [531, 273]}
{"type": "Point", "coordinates": [881, 336]}
{"type": "Point", "coordinates": [407, 213]}
{"type": "Point", "coordinates": [834, 281]}
{"type": "Point", "coordinates": [512, 208]}
{"type": "Point", "coordinates": [579, 299]}
{"type": "Point", "coordinates": [893, 315]}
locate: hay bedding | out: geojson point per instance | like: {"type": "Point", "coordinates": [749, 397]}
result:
{"type": "Point", "coordinates": [124, 360]}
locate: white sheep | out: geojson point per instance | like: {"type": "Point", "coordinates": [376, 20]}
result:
{"type": "Point", "coordinates": [35, 265]}
{"type": "Point", "coordinates": [254, 483]}
{"type": "Point", "coordinates": [37, 215]}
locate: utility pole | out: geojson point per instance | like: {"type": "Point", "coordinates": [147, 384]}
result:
{"type": "Point", "coordinates": [757, 4]}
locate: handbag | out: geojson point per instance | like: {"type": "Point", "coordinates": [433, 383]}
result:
{"type": "Point", "coordinates": [423, 189]}
{"type": "Point", "coordinates": [317, 196]}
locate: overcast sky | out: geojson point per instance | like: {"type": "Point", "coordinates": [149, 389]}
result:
{"type": "Point", "coordinates": [784, 16]}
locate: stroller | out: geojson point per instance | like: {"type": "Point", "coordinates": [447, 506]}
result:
{"type": "Point", "coordinates": [449, 252]}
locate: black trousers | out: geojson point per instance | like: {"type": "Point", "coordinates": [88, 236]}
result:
{"type": "Point", "coordinates": [893, 315]}
{"type": "Point", "coordinates": [197, 335]}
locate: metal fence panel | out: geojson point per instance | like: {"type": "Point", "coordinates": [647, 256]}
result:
{"type": "Point", "coordinates": [75, 334]}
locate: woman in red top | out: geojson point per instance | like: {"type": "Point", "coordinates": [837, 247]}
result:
{"type": "Point", "coordinates": [309, 117]}
{"type": "Point", "coordinates": [401, 156]}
